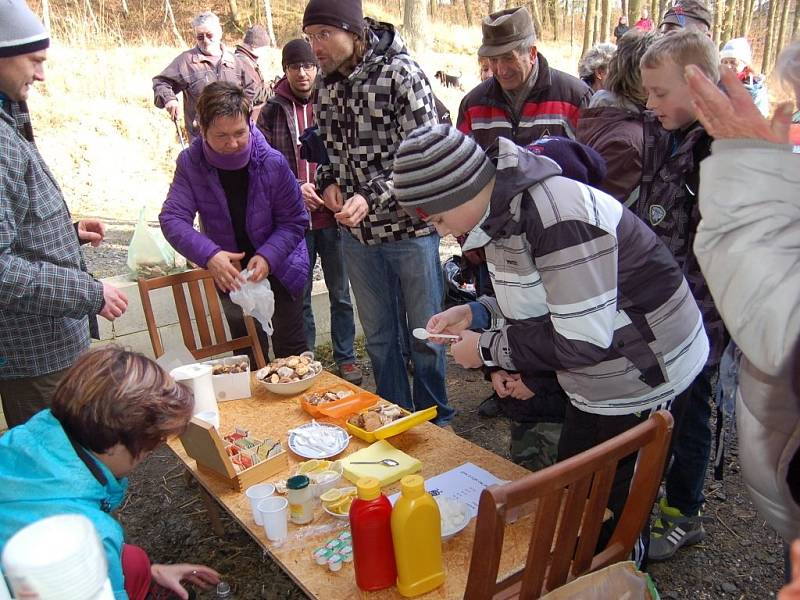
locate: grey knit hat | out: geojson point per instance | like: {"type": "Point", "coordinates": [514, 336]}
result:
{"type": "Point", "coordinates": [21, 31]}
{"type": "Point", "coordinates": [438, 168]}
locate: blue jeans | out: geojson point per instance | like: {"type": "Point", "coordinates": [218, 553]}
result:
{"type": "Point", "coordinates": [375, 274]}
{"type": "Point", "coordinates": [691, 445]}
{"type": "Point", "coordinates": [327, 243]}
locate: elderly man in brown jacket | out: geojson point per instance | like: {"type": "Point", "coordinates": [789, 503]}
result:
{"type": "Point", "coordinates": [191, 71]}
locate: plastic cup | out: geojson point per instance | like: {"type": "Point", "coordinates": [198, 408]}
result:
{"type": "Point", "coordinates": [256, 493]}
{"type": "Point", "coordinates": [209, 416]}
{"type": "Point", "coordinates": [275, 514]}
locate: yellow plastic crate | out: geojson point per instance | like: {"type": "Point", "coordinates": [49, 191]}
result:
{"type": "Point", "coordinates": [395, 427]}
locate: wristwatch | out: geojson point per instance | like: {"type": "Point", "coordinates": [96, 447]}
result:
{"type": "Point", "coordinates": [486, 355]}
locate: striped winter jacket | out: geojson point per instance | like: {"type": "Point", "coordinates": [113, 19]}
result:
{"type": "Point", "coordinates": [584, 288]}
{"type": "Point", "coordinates": [551, 109]}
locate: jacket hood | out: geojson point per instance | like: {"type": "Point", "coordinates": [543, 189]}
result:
{"type": "Point", "coordinates": [284, 90]}
{"type": "Point", "coordinates": [385, 43]}
{"type": "Point", "coordinates": [41, 450]}
{"type": "Point", "coordinates": [597, 120]}
{"type": "Point", "coordinates": [517, 170]}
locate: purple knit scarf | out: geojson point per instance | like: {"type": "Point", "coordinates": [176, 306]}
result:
{"type": "Point", "coordinates": [229, 162]}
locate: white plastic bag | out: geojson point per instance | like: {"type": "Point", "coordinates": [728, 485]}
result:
{"type": "Point", "coordinates": [256, 300]}
{"type": "Point", "coordinates": [149, 254]}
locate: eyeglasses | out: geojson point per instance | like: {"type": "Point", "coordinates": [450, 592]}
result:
{"type": "Point", "coordinates": [296, 67]}
{"type": "Point", "coordinates": [204, 36]}
{"type": "Point", "coordinates": [322, 36]}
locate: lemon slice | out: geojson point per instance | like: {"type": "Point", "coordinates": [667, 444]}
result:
{"type": "Point", "coordinates": [312, 466]}
{"type": "Point", "coordinates": [331, 495]}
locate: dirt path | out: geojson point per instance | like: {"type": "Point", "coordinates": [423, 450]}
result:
{"type": "Point", "coordinates": [741, 557]}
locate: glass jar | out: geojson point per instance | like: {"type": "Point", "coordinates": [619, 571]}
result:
{"type": "Point", "coordinates": [301, 499]}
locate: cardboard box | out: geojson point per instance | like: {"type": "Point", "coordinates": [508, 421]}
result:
{"type": "Point", "coordinates": [231, 385]}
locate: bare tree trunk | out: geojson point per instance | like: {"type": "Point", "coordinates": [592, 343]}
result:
{"type": "Point", "coordinates": [634, 11]}
{"type": "Point", "coordinates": [234, 12]}
{"type": "Point", "coordinates": [605, 20]}
{"type": "Point", "coordinates": [415, 25]}
{"type": "Point", "coordinates": [784, 26]}
{"type": "Point", "coordinates": [625, 8]}
{"type": "Point", "coordinates": [270, 28]}
{"type": "Point", "coordinates": [46, 14]}
{"type": "Point", "coordinates": [533, 6]}
{"type": "Point", "coordinates": [468, 11]}
{"type": "Point", "coordinates": [747, 18]}
{"type": "Point", "coordinates": [730, 19]}
{"type": "Point", "coordinates": [588, 25]}
{"type": "Point", "coordinates": [596, 27]}
{"type": "Point", "coordinates": [169, 15]}
{"type": "Point", "coordinates": [796, 20]}
{"type": "Point", "coordinates": [125, 10]}
{"type": "Point", "coordinates": [90, 12]}
{"type": "Point", "coordinates": [433, 10]}
{"type": "Point", "coordinates": [495, 5]}
{"type": "Point", "coordinates": [719, 15]}
{"type": "Point", "coordinates": [552, 6]}
{"type": "Point", "coordinates": [654, 11]}
{"type": "Point", "coordinates": [766, 62]}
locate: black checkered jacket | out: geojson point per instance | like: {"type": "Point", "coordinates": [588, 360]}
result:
{"type": "Point", "coordinates": [46, 294]}
{"type": "Point", "coordinates": [362, 119]}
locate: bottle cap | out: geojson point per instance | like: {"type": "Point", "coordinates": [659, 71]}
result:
{"type": "Point", "coordinates": [298, 482]}
{"type": "Point", "coordinates": [369, 488]}
{"type": "Point", "coordinates": [412, 486]}
{"type": "Point", "coordinates": [223, 589]}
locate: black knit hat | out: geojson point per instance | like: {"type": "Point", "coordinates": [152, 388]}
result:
{"type": "Point", "coordinates": [577, 161]}
{"type": "Point", "coordinates": [297, 51]}
{"type": "Point", "coordinates": [344, 14]}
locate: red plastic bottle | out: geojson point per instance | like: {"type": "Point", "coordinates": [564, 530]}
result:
{"type": "Point", "coordinates": [370, 525]}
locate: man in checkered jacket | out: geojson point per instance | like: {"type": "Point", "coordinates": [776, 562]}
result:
{"type": "Point", "coordinates": [47, 298]}
{"type": "Point", "coordinates": [370, 97]}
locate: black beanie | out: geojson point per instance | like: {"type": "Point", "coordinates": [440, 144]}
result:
{"type": "Point", "coordinates": [297, 51]}
{"type": "Point", "coordinates": [577, 161]}
{"type": "Point", "coordinates": [344, 14]}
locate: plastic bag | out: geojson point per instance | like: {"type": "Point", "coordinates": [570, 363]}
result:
{"type": "Point", "coordinates": [149, 254]}
{"type": "Point", "coordinates": [620, 581]}
{"type": "Point", "coordinates": [256, 300]}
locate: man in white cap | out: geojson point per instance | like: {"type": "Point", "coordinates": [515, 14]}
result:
{"type": "Point", "coordinates": [48, 301]}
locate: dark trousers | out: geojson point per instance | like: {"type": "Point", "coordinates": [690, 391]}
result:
{"type": "Point", "coordinates": [288, 337]}
{"type": "Point", "coordinates": [691, 445]}
{"type": "Point", "coordinates": [583, 430]}
{"type": "Point", "coordinates": [23, 398]}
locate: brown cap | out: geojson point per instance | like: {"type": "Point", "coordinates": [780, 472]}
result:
{"type": "Point", "coordinates": [676, 14]}
{"type": "Point", "coordinates": [505, 30]}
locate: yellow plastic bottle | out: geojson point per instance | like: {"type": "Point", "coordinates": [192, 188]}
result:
{"type": "Point", "coordinates": [417, 537]}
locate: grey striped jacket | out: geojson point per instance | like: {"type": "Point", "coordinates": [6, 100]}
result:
{"type": "Point", "coordinates": [584, 288]}
{"type": "Point", "coordinates": [45, 292]}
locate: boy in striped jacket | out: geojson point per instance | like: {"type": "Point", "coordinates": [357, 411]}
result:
{"type": "Point", "coordinates": [582, 286]}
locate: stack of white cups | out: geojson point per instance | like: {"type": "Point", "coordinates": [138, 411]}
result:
{"type": "Point", "coordinates": [57, 558]}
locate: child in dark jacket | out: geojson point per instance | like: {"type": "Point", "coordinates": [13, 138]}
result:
{"type": "Point", "coordinates": [583, 288]}
{"type": "Point", "coordinates": [668, 203]}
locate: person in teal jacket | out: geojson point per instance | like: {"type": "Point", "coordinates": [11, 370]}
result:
{"type": "Point", "coordinates": [111, 409]}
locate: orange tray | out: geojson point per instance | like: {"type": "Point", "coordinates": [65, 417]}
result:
{"type": "Point", "coordinates": [339, 409]}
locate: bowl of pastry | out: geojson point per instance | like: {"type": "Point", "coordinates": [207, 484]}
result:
{"type": "Point", "coordinates": [290, 375]}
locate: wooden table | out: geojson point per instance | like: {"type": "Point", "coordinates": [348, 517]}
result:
{"type": "Point", "coordinates": [267, 414]}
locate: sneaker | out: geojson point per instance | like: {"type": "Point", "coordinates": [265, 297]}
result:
{"type": "Point", "coordinates": [490, 407]}
{"type": "Point", "coordinates": [673, 530]}
{"type": "Point", "coordinates": [351, 373]}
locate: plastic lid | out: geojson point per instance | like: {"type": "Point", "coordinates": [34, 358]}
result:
{"type": "Point", "coordinates": [298, 482]}
{"type": "Point", "coordinates": [412, 486]}
{"type": "Point", "coordinates": [224, 590]}
{"type": "Point", "coordinates": [369, 488]}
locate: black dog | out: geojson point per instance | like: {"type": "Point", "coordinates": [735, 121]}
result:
{"type": "Point", "coordinates": [451, 81]}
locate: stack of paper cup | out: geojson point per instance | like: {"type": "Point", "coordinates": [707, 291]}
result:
{"type": "Point", "coordinates": [57, 558]}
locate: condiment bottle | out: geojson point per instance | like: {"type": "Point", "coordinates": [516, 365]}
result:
{"type": "Point", "coordinates": [417, 537]}
{"type": "Point", "coordinates": [301, 499]}
{"type": "Point", "coordinates": [370, 525]}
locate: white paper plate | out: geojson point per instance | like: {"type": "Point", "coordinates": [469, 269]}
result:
{"type": "Point", "coordinates": [339, 440]}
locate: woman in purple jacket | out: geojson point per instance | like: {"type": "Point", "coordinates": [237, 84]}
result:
{"type": "Point", "coordinates": [251, 213]}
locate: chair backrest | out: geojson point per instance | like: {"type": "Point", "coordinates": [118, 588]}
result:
{"type": "Point", "coordinates": [571, 498]}
{"type": "Point", "coordinates": [200, 284]}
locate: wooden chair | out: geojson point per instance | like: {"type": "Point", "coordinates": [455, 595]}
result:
{"type": "Point", "coordinates": [577, 490]}
{"type": "Point", "coordinates": [197, 281]}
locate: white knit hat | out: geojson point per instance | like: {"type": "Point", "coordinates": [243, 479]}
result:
{"type": "Point", "coordinates": [738, 48]}
{"type": "Point", "coordinates": [21, 31]}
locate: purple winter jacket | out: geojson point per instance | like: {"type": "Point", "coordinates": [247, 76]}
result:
{"type": "Point", "coordinates": [276, 218]}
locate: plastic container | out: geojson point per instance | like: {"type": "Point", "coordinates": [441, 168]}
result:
{"type": "Point", "coordinates": [301, 499]}
{"type": "Point", "coordinates": [395, 427]}
{"type": "Point", "coordinates": [224, 591]}
{"type": "Point", "coordinates": [417, 538]}
{"type": "Point", "coordinates": [370, 525]}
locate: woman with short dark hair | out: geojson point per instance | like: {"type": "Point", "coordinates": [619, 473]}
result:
{"type": "Point", "coordinates": [110, 411]}
{"type": "Point", "coordinates": [251, 212]}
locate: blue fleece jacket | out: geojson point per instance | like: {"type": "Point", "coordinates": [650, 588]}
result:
{"type": "Point", "coordinates": [41, 475]}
